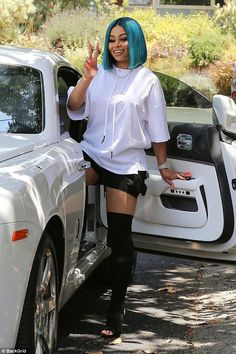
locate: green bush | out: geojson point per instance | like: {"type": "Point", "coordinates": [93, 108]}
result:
{"type": "Point", "coordinates": [76, 56]}
{"type": "Point", "coordinates": [47, 9]}
{"type": "Point", "coordinates": [43, 10]}
{"type": "Point", "coordinates": [170, 66]}
{"type": "Point", "coordinates": [75, 28]}
{"type": "Point", "coordinates": [176, 43]}
{"type": "Point", "coordinates": [226, 17]}
{"type": "Point", "coordinates": [13, 15]}
{"type": "Point", "coordinates": [206, 49]}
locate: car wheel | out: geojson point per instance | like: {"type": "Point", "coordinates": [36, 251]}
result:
{"type": "Point", "coordinates": [38, 327]}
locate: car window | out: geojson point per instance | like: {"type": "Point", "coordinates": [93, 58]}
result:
{"type": "Point", "coordinates": [184, 104]}
{"type": "Point", "coordinates": [66, 77]}
{"type": "Point", "coordinates": [20, 100]}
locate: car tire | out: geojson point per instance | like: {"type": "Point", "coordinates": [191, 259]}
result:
{"type": "Point", "coordinates": [38, 326]}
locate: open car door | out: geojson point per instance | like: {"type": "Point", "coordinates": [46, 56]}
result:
{"type": "Point", "coordinates": [195, 218]}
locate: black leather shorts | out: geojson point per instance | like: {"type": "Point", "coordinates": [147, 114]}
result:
{"type": "Point", "coordinates": [133, 184]}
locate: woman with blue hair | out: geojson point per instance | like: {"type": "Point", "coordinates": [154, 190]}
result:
{"type": "Point", "coordinates": [126, 112]}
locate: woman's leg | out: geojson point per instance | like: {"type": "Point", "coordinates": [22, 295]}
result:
{"type": "Point", "coordinates": [120, 211]}
{"type": "Point", "coordinates": [91, 176]}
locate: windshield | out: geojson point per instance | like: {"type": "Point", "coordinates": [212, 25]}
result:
{"type": "Point", "coordinates": [179, 94]}
{"type": "Point", "coordinates": [184, 103]}
{"type": "Point", "coordinates": [20, 100]}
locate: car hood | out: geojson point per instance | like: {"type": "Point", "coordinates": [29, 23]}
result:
{"type": "Point", "coordinates": [13, 145]}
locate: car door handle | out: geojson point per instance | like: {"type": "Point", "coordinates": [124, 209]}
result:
{"type": "Point", "coordinates": [185, 142]}
{"type": "Point", "coordinates": [82, 164]}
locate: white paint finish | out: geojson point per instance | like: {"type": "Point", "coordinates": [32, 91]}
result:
{"type": "Point", "coordinates": [225, 110]}
{"type": "Point", "coordinates": [150, 208]}
{"type": "Point", "coordinates": [39, 180]}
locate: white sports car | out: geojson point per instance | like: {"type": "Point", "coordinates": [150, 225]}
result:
{"type": "Point", "coordinates": [53, 228]}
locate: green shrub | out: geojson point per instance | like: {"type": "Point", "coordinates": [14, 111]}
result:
{"type": "Point", "coordinates": [13, 14]}
{"type": "Point", "coordinates": [76, 56]}
{"type": "Point", "coordinates": [175, 42]}
{"type": "Point", "coordinates": [206, 49]}
{"type": "Point", "coordinates": [167, 46]}
{"type": "Point", "coordinates": [226, 17]}
{"type": "Point", "coordinates": [172, 66]}
{"type": "Point", "coordinates": [43, 10]}
{"type": "Point", "coordinates": [47, 9]}
{"type": "Point", "coordinates": [31, 41]}
{"type": "Point", "coordinates": [75, 28]}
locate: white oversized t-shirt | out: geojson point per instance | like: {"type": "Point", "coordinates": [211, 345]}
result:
{"type": "Point", "coordinates": [126, 112]}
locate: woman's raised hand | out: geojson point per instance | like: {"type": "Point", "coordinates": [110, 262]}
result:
{"type": "Point", "coordinates": [90, 65]}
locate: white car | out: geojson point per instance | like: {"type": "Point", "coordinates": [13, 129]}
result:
{"type": "Point", "coordinates": [53, 228]}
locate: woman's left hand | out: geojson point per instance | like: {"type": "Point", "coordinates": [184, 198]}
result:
{"type": "Point", "coordinates": [90, 65]}
{"type": "Point", "coordinates": [168, 176]}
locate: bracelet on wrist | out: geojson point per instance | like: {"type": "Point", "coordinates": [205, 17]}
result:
{"type": "Point", "coordinates": [163, 165]}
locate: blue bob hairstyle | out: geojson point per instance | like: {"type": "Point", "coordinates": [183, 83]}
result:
{"type": "Point", "coordinates": [136, 42]}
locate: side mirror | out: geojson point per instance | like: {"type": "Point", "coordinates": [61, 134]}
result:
{"type": "Point", "coordinates": [225, 111]}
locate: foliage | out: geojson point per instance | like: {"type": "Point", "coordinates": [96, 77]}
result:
{"type": "Point", "coordinates": [75, 28]}
{"type": "Point", "coordinates": [76, 56]}
{"type": "Point", "coordinates": [44, 9]}
{"type": "Point", "coordinates": [221, 74]}
{"type": "Point", "coordinates": [13, 14]}
{"type": "Point", "coordinates": [226, 16]}
{"type": "Point", "coordinates": [72, 4]}
{"type": "Point", "coordinates": [47, 9]}
{"type": "Point", "coordinates": [171, 36]}
{"type": "Point", "coordinates": [31, 41]}
{"type": "Point", "coordinates": [170, 66]}
{"type": "Point", "coordinates": [206, 49]}
{"type": "Point", "coordinates": [221, 71]}
{"type": "Point", "coordinates": [176, 43]}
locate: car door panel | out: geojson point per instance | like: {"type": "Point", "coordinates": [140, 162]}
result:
{"type": "Point", "coordinates": [169, 206]}
{"type": "Point", "coordinates": [199, 210]}
{"type": "Point", "coordinates": [191, 211]}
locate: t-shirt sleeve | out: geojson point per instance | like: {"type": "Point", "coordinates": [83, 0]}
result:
{"type": "Point", "coordinates": [82, 112]}
{"type": "Point", "coordinates": [157, 117]}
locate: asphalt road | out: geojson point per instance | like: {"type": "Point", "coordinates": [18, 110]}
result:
{"type": "Point", "coordinates": [173, 306]}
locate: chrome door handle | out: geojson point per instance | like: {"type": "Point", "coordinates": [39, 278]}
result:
{"type": "Point", "coordinates": [185, 142]}
{"type": "Point", "coordinates": [82, 164]}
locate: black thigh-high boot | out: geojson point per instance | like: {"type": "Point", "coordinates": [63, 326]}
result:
{"type": "Point", "coordinates": [122, 256]}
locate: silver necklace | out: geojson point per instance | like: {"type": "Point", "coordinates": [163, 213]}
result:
{"type": "Point", "coordinates": [124, 76]}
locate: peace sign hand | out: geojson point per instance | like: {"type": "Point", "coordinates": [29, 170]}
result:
{"type": "Point", "coordinates": [90, 65]}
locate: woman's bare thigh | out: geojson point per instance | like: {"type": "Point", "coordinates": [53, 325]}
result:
{"type": "Point", "coordinates": [91, 176]}
{"type": "Point", "coordinates": [118, 201]}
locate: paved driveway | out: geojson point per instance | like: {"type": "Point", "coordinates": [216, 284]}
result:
{"type": "Point", "coordinates": [174, 306]}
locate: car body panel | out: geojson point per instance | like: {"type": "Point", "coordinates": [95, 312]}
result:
{"type": "Point", "coordinates": [15, 263]}
{"type": "Point", "coordinates": [51, 189]}
{"type": "Point", "coordinates": [42, 187]}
